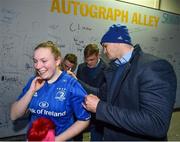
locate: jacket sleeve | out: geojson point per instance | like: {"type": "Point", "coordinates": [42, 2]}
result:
{"type": "Point", "coordinates": [89, 89]}
{"type": "Point", "coordinates": [157, 92]}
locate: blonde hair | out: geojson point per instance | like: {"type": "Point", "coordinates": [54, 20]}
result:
{"type": "Point", "coordinates": [52, 46]}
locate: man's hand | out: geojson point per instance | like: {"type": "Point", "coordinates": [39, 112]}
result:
{"type": "Point", "coordinates": [91, 102]}
{"type": "Point", "coordinates": [72, 74]}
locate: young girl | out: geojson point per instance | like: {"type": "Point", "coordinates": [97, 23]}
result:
{"type": "Point", "coordinates": [54, 94]}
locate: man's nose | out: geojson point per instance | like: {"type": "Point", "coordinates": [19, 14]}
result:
{"type": "Point", "coordinates": [89, 62]}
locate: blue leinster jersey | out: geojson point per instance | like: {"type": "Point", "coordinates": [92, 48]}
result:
{"type": "Point", "coordinates": [60, 101]}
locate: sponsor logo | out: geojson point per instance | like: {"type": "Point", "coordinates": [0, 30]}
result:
{"type": "Point", "coordinates": [44, 104]}
{"type": "Point", "coordinates": [48, 113]}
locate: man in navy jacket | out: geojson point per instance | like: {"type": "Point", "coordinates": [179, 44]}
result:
{"type": "Point", "coordinates": [90, 75]}
{"type": "Point", "coordinates": [136, 101]}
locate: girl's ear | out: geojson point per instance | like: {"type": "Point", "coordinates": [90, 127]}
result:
{"type": "Point", "coordinates": [58, 61]}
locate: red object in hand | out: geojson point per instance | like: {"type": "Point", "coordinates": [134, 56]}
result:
{"type": "Point", "coordinates": [42, 129]}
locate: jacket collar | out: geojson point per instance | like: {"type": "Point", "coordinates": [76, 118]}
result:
{"type": "Point", "coordinates": [134, 56]}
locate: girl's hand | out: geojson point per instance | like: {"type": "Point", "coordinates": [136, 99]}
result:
{"type": "Point", "coordinates": [36, 84]}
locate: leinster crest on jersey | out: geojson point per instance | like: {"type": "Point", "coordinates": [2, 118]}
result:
{"type": "Point", "coordinates": [60, 95]}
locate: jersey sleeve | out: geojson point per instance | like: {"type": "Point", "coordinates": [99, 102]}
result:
{"type": "Point", "coordinates": [25, 89]}
{"type": "Point", "coordinates": [77, 98]}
